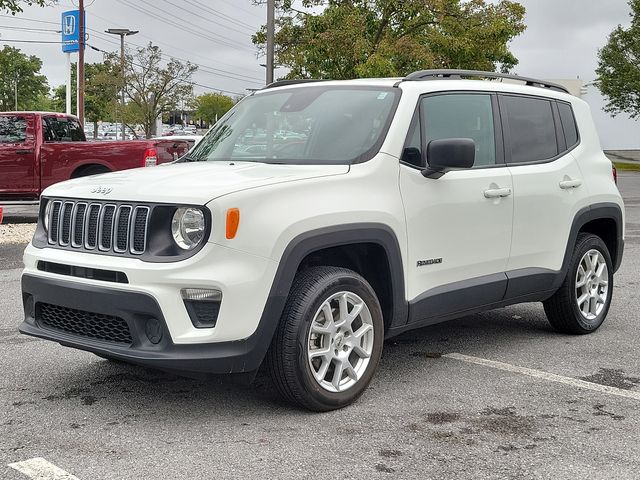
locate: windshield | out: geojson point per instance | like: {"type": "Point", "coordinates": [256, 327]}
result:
{"type": "Point", "coordinates": [309, 125]}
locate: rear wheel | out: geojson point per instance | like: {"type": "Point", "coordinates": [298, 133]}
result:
{"type": "Point", "coordinates": [581, 304]}
{"type": "Point", "coordinates": [90, 170]}
{"type": "Point", "coordinates": [329, 340]}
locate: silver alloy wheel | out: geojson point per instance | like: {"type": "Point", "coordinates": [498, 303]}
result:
{"type": "Point", "coordinates": [592, 284]}
{"type": "Point", "coordinates": [340, 341]}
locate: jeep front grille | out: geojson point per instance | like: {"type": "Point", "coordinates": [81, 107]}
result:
{"type": "Point", "coordinates": [86, 225]}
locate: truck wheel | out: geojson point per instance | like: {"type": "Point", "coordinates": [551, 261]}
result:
{"type": "Point", "coordinates": [90, 170]}
{"type": "Point", "coordinates": [329, 339]}
{"type": "Point", "coordinates": [581, 304]}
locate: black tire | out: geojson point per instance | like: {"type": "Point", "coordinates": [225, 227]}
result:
{"type": "Point", "coordinates": [562, 310]}
{"type": "Point", "coordinates": [287, 359]}
{"type": "Point", "coordinates": [91, 170]}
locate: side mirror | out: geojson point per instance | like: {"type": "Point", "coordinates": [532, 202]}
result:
{"type": "Point", "coordinates": [449, 153]}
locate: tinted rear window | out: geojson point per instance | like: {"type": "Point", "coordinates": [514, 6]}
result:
{"type": "Point", "coordinates": [63, 129]}
{"type": "Point", "coordinates": [13, 129]}
{"type": "Point", "coordinates": [533, 133]}
{"type": "Point", "coordinates": [568, 124]}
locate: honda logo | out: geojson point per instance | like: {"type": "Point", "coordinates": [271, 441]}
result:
{"type": "Point", "coordinates": [69, 25]}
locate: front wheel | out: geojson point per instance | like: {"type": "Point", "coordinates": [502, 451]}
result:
{"type": "Point", "coordinates": [581, 304]}
{"type": "Point", "coordinates": [329, 339]}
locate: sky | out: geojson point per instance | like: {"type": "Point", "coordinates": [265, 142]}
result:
{"type": "Point", "coordinates": [561, 41]}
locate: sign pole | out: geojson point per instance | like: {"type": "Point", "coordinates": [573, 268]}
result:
{"type": "Point", "coordinates": [68, 95]}
{"type": "Point", "coordinates": [73, 36]}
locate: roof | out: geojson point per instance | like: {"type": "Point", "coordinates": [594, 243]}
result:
{"type": "Point", "coordinates": [56, 114]}
{"type": "Point", "coordinates": [441, 80]}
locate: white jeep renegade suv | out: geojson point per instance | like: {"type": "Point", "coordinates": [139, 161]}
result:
{"type": "Point", "coordinates": [316, 219]}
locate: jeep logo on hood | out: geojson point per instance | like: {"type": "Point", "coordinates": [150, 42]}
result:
{"type": "Point", "coordinates": [102, 190]}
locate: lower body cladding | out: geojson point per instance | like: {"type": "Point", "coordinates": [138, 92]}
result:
{"type": "Point", "coordinates": [157, 315]}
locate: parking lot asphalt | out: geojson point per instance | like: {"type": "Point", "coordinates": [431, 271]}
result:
{"type": "Point", "coordinates": [495, 395]}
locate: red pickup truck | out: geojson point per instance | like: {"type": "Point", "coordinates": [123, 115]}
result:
{"type": "Point", "coordinates": [38, 149]}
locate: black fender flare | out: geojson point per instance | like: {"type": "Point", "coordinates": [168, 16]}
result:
{"type": "Point", "coordinates": [607, 210]}
{"type": "Point", "coordinates": [312, 241]}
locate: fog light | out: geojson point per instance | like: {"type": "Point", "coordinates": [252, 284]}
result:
{"type": "Point", "coordinates": [203, 306]}
{"type": "Point", "coordinates": [201, 294]}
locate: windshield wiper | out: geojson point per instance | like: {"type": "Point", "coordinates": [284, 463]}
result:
{"type": "Point", "coordinates": [186, 158]}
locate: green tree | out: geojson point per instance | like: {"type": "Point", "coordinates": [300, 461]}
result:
{"type": "Point", "coordinates": [15, 6]}
{"type": "Point", "coordinates": [211, 106]}
{"type": "Point", "coordinates": [153, 86]}
{"type": "Point", "coordinates": [21, 79]}
{"type": "Point", "coordinates": [371, 38]}
{"type": "Point", "coordinates": [619, 67]}
{"type": "Point", "coordinates": [102, 83]}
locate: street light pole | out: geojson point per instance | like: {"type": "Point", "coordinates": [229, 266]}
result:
{"type": "Point", "coordinates": [15, 86]}
{"type": "Point", "coordinates": [271, 14]}
{"type": "Point", "coordinates": [123, 32]}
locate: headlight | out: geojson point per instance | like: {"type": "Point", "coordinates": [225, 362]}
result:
{"type": "Point", "coordinates": [47, 211]}
{"type": "Point", "coordinates": [188, 227]}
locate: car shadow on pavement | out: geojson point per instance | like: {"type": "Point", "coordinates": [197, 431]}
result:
{"type": "Point", "coordinates": [130, 390]}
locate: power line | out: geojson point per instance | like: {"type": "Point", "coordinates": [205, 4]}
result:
{"type": "Point", "coordinates": [200, 16]}
{"type": "Point", "coordinates": [167, 45]}
{"type": "Point", "coordinates": [181, 25]}
{"type": "Point", "coordinates": [27, 29]}
{"type": "Point", "coordinates": [184, 81]}
{"type": "Point", "coordinates": [252, 13]}
{"type": "Point", "coordinates": [216, 12]}
{"type": "Point", "coordinates": [30, 20]}
{"type": "Point", "coordinates": [202, 68]}
{"type": "Point", "coordinates": [97, 32]}
{"type": "Point", "coordinates": [10, 40]}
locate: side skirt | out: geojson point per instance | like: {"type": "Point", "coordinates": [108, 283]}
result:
{"type": "Point", "coordinates": [480, 294]}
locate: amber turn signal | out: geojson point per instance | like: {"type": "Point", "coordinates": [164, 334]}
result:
{"type": "Point", "coordinates": [233, 221]}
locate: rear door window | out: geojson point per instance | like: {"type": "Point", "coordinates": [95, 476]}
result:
{"type": "Point", "coordinates": [568, 124]}
{"type": "Point", "coordinates": [62, 129]}
{"type": "Point", "coordinates": [532, 130]}
{"type": "Point", "coordinates": [13, 129]}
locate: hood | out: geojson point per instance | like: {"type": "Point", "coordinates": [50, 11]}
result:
{"type": "Point", "coordinates": [188, 183]}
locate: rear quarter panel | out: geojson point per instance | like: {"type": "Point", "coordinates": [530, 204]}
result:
{"type": "Point", "coordinates": [596, 168]}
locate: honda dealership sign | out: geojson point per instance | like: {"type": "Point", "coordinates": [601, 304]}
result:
{"type": "Point", "coordinates": [71, 30]}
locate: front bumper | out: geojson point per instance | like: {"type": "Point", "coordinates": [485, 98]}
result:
{"type": "Point", "coordinates": [137, 310]}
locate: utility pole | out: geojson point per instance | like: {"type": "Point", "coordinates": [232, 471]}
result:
{"type": "Point", "coordinates": [123, 32]}
{"type": "Point", "coordinates": [15, 86]}
{"type": "Point", "coordinates": [80, 80]}
{"type": "Point", "coordinates": [271, 14]}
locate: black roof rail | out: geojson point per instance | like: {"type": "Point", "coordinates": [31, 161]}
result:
{"type": "Point", "coordinates": [284, 83]}
{"type": "Point", "coordinates": [457, 74]}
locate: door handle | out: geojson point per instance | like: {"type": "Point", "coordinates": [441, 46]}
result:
{"type": "Point", "coordinates": [23, 152]}
{"type": "Point", "coordinates": [497, 192]}
{"type": "Point", "coordinates": [567, 184]}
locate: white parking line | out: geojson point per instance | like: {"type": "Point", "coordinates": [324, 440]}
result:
{"type": "Point", "coordinates": [39, 469]}
{"type": "Point", "coordinates": [551, 377]}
